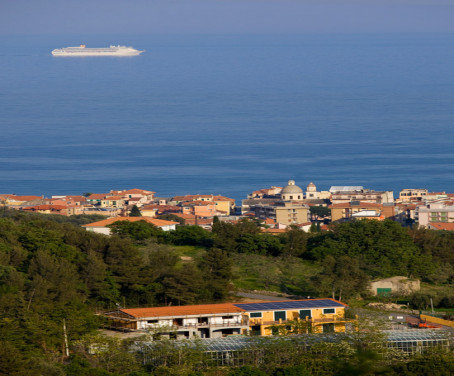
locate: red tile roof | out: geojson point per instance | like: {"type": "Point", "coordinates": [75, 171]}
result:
{"type": "Point", "coordinates": [97, 196]}
{"type": "Point", "coordinates": [442, 226]}
{"type": "Point", "coordinates": [109, 221]}
{"type": "Point", "coordinates": [162, 208]}
{"type": "Point", "coordinates": [361, 204]}
{"type": "Point", "coordinates": [113, 198]}
{"type": "Point", "coordinates": [202, 309]}
{"type": "Point", "coordinates": [223, 198]}
{"type": "Point", "coordinates": [24, 198]}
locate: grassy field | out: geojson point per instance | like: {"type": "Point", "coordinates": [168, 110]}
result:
{"type": "Point", "coordinates": [287, 275]}
{"type": "Point", "coordinates": [189, 251]}
{"type": "Point", "coordinates": [263, 273]}
{"type": "Point", "coordinates": [427, 288]}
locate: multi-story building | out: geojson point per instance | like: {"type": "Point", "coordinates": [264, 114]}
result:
{"type": "Point", "coordinates": [407, 194]}
{"type": "Point", "coordinates": [179, 322]}
{"type": "Point", "coordinates": [356, 209]}
{"type": "Point", "coordinates": [289, 209]}
{"type": "Point", "coordinates": [219, 320]}
{"type": "Point", "coordinates": [297, 316]}
{"type": "Point", "coordinates": [342, 194]}
{"type": "Point", "coordinates": [433, 212]}
{"type": "Point", "coordinates": [287, 213]}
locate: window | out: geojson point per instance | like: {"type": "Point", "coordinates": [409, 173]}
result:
{"type": "Point", "coordinates": [152, 321]}
{"type": "Point", "coordinates": [328, 328]}
{"type": "Point", "coordinates": [280, 315]}
{"type": "Point", "coordinates": [255, 314]}
{"type": "Point", "coordinates": [305, 313]}
{"type": "Point", "coordinates": [329, 310]}
{"type": "Point", "coordinates": [227, 317]}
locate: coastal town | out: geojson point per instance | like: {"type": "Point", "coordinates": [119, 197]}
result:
{"type": "Point", "coordinates": [276, 208]}
{"type": "Point", "coordinates": [155, 284]}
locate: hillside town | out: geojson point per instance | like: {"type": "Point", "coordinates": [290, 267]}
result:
{"type": "Point", "coordinates": [288, 270]}
{"type": "Point", "coordinates": [276, 208]}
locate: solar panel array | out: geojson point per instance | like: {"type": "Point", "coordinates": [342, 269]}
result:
{"type": "Point", "coordinates": [291, 304]}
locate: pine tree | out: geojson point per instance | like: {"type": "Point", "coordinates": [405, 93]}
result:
{"type": "Point", "coordinates": [135, 212]}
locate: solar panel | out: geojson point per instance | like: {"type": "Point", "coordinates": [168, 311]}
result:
{"type": "Point", "coordinates": [292, 304]}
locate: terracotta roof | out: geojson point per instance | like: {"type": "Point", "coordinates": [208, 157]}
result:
{"type": "Point", "coordinates": [109, 221]}
{"type": "Point", "coordinates": [97, 196]}
{"type": "Point", "coordinates": [185, 215]}
{"type": "Point", "coordinates": [204, 221]}
{"type": "Point", "coordinates": [24, 198]}
{"type": "Point", "coordinates": [198, 203]}
{"type": "Point", "coordinates": [223, 198]}
{"type": "Point", "coordinates": [112, 198]}
{"type": "Point", "coordinates": [201, 309]}
{"type": "Point", "coordinates": [162, 208]}
{"type": "Point", "coordinates": [442, 226]}
{"type": "Point", "coordinates": [361, 204]}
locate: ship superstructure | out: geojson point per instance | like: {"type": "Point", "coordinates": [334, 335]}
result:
{"type": "Point", "coordinates": [82, 50]}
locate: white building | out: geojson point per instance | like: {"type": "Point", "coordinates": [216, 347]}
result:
{"type": "Point", "coordinates": [101, 226]}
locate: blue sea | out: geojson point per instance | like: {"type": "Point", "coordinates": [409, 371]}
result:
{"type": "Point", "coordinates": [228, 114]}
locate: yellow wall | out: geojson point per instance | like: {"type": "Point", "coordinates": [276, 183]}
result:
{"type": "Point", "coordinates": [286, 215]}
{"type": "Point", "coordinates": [223, 206]}
{"type": "Point", "coordinates": [267, 320]}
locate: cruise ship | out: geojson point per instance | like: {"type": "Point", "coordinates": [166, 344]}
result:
{"type": "Point", "coordinates": [82, 50]}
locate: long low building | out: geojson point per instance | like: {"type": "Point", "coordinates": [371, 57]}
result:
{"type": "Point", "coordinates": [220, 320]}
{"type": "Point", "coordinates": [101, 227]}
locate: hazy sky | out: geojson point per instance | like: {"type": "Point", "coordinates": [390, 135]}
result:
{"type": "Point", "coordinates": [222, 16]}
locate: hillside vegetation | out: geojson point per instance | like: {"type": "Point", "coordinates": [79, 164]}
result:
{"type": "Point", "coordinates": [53, 272]}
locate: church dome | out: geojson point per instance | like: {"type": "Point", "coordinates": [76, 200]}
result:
{"type": "Point", "coordinates": [291, 192]}
{"type": "Point", "coordinates": [311, 187]}
{"type": "Point", "coordinates": [291, 188]}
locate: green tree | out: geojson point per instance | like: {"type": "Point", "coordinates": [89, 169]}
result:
{"type": "Point", "coordinates": [340, 277]}
{"type": "Point", "coordinates": [216, 266]}
{"type": "Point", "coordinates": [135, 212]}
{"type": "Point", "coordinates": [173, 218]}
{"type": "Point", "coordinates": [138, 231]}
{"type": "Point", "coordinates": [183, 286]}
{"type": "Point", "coordinates": [319, 212]}
{"type": "Point", "coordinates": [295, 241]}
{"type": "Point", "coordinates": [383, 249]}
{"type": "Point", "coordinates": [190, 235]}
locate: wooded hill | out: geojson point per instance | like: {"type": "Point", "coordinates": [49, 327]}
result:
{"type": "Point", "coordinates": [53, 270]}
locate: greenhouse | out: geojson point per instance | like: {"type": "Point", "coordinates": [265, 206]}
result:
{"type": "Point", "coordinates": [250, 350]}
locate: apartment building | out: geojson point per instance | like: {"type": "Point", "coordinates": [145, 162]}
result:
{"type": "Point", "coordinates": [342, 194]}
{"type": "Point", "coordinates": [220, 320]}
{"type": "Point", "coordinates": [360, 210]}
{"type": "Point", "coordinates": [434, 212]}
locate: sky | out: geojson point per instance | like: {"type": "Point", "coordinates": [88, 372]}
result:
{"type": "Point", "coordinates": [61, 17]}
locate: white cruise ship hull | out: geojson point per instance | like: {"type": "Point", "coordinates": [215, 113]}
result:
{"type": "Point", "coordinates": [115, 51]}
